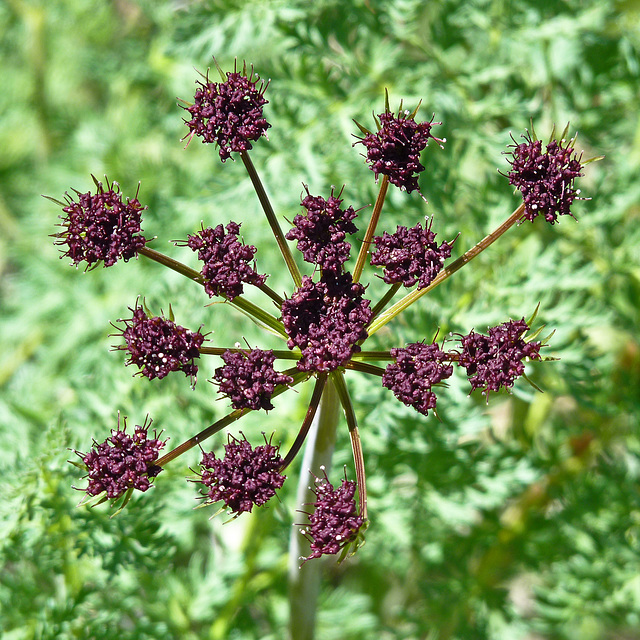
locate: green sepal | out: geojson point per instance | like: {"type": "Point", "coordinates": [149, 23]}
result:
{"type": "Point", "coordinates": [93, 501]}
{"type": "Point", "coordinates": [60, 204]}
{"type": "Point", "coordinates": [583, 162]}
{"type": "Point", "coordinates": [533, 384]}
{"type": "Point", "coordinates": [413, 114]}
{"type": "Point", "coordinates": [223, 75]}
{"type": "Point", "coordinates": [362, 129]}
{"type": "Point", "coordinates": [351, 547]}
{"type": "Point", "coordinates": [79, 465]}
{"type": "Point", "coordinates": [533, 315]}
{"type": "Point", "coordinates": [125, 502]}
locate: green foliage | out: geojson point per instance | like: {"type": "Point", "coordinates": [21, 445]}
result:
{"type": "Point", "coordinates": [499, 521]}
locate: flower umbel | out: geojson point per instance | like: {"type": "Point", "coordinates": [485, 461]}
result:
{"type": "Point", "coordinates": [101, 226]}
{"type": "Point", "coordinates": [335, 522]}
{"type": "Point", "coordinates": [410, 255]}
{"type": "Point", "coordinates": [122, 462]}
{"type": "Point", "coordinates": [395, 149]}
{"type": "Point", "coordinates": [325, 320]}
{"type": "Point", "coordinates": [244, 477]}
{"type": "Point", "coordinates": [322, 231]}
{"type": "Point", "coordinates": [158, 346]}
{"type": "Point", "coordinates": [495, 361]}
{"type": "Point", "coordinates": [545, 179]}
{"type": "Point", "coordinates": [416, 369]}
{"type": "Point", "coordinates": [229, 113]}
{"type": "Point", "coordinates": [249, 379]}
{"type": "Point", "coordinates": [226, 260]}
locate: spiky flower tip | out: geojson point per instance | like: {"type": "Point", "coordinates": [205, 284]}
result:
{"type": "Point", "coordinates": [229, 113]}
{"type": "Point", "coordinates": [321, 232]}
{"type": "Point", "coordinates": [410, 255]}
{"type": "Point", "coordinates": [244, 477]}
{"type": "Point", "coordinates": [325, 320]}
{"type": "Point", "coordinates": [159, 346]}
{"type": "Point", "coordinates": [101, 226]}
{"type": "Point", "coordinates": [249, 379]}
{"type": "Point", "coordinates": [335, 522]}
{"type": "Point", "coordinates": [123, 461]}
{"type": "Point", "coordinates": [226, 260]}
{"type": "Point", "coordinates": [495, 361]}
{"type": "Point", "coordinates": [417, 367]}
{"type": "Point", "coordinates": [545, 179]}
{"type": "Point", "coordinates": [395, 149]}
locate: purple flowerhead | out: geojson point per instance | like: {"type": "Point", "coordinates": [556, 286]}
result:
{"type": "Point", "coordinates": [158, 346]}
{"type": "Point", "coordinates": [395, 149]}
{"type": "Point", "coordinates": [545, 179]}
{"type": "Point", "coordinates": [226, 260]}
{"type": "Point", "coordinates": [416, 368]}
{"type": "Point", "coordinates": [249, 379]}
{"type": "Point", "coordinates": [244, 477]}
{"type": "Point", "coordinates": [410, 255]}
{"type": "Point", "coordinates": [229, 113]}
{"type": "Point", "coordinates": [325, 320]}
{"type": "Point", "coordinates": [123, 461]}
{"type": "Point", "coordinates": [101, 226]}
{"type": "Point", "coordinates": [335, 522]}
{"type": "Point", "coordinates": [495, 361]}
{"type": "Point", "coordinates": [321, 232]}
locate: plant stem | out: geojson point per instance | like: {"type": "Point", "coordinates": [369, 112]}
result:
{"type": "Point", "coordinates": [410, 298]}
{"type": "Point", "coordinates": [166, 261]}
{"type": "Point", "coordinates": [307, 422]}
{"type": "Point", "coordinates": [358, 458]}
{"type": "Point", "coordinates": [239, 302]}
{"type": "Point", "coordinates": [304, 581]}
{"type": "Point", "coordinates": [271, 218]}
{"type": "Point", "coordinates": [371, 229]}
{"type": "Point", "coordinates": [280, 354]}
{"type": "Point", "coordinates": [298, 377]}
{"type": "Point", "coordinates": [382, 303]}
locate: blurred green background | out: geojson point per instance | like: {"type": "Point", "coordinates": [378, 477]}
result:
{"type": "Point", "coordinates": [519, 519]}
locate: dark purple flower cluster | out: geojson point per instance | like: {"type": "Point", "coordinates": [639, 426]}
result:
{"type": "Point", "coordinates": [101, 226]}
{"type": "Point", "coordinates": [122, 461]}
{"type": "Point", "coordinates": [325, 320]}
{"type": "Point", "coordinates": [416, 369]}
{"type": "Point", "coordinates": [244, 477]}
{"type": "Point", "coordinates": [545, 179]}
{"type": "Point", "coordinates": [321, 232]}
{"type": "Point", "coordinates": [249, 379]}
{"type": "Point", "coordinates": [159, 346]}
{"type": "Point", "coordinates": [226, 260]}
{"type": "Point", "coordinates": [395, 149]}
{"type": "Point", "coordinates": [335, 522]}
{"type": "Point", "coordinates": [495, 361]}
{"type": "Point", "coordinates": [229, 113]}
{"type": "Point", "coordinates": [410, 255]}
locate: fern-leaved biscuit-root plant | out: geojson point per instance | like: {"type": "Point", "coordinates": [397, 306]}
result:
{"type": "Point", "coordinates": [325, 320]}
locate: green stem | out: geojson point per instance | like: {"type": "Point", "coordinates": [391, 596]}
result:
{"type": "Point", "coordinates": [371, 229]}
{"type": "Point", "coordinates": [307, 422]}
{"type": "Point", "coordinates": [280, 354]}
{"type": "Point", "coordinates": [271, 218]}
{"type": "Point", "coordinates": [358, 457]}
{"type": "Point", "coordinates": [364, 367]}
{"type": "Point", "coordinates": [298, 377]}
{"type": "Point", "coordinates": [304, 581]}
{"type": "Point", "coordinates": [382, 303]}
{"type": "Point", "coordinates": [276, 297]}
{"type": "Point", "coordinates": [239, 302]}
{"type": "Point", "coordinates": [410, 298]}
{"type": "Point", "coordinates": [166, 261]}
